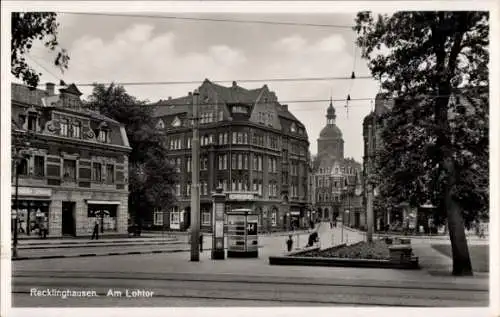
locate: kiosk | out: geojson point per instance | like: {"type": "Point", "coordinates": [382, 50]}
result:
{"type": "Point", "coordinates": [242, 234]}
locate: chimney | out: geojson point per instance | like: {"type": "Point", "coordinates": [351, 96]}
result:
{"type": "Point", "coordinates": [169, 97]}
{"type": "Point", "coordinates": [234, 84]}
{"type": "Point", "coordinates": [285, 107]}
{"type": "Point", "coordinates": [50, 88]}
{"type": "Point", "coordinates": [190, 93]}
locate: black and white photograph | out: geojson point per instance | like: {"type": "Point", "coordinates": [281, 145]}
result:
{"type": "Point", "coordinates": [249, 156]}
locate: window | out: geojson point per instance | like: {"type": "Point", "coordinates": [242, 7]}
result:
{"type": "Point", "coordinates": [240, 161]}
{"type": "Point", "coordinates": [110, 173]}
{"type": "Point", "coordinates": [158, 218]}
{"type": "Point", "coordinates": [22, 167]}
{"type": "Point", "coordinates": [245, 162]}
{"type": "Point", "coordinates": [188, 189]}
{"type": "Point", "coordinates": [260, 163]}
{"type": "Point", "coordinates": [221, 138]}
{"type": "Point", "coordinates": [64, 127]}
{"type": "Point", "coordinates": [177, 189]}
{"type": "Point", "coordinates": [69, 169]}
{"type": "Point", "coordinates": [188, 164]}
{"type": "Point", "coordinates": [234, 137]}
{"type": "Point", "coordinates": [221, 115]}
{"type": "Point", "coordinates": [274, 217]}
{"type": "Point", "coordinates": [103, 136]}
{"type": "Point", "coordinates": [96, 172]}
{"type": "Point", "coordinates": [39, 166]}
{"type": "Point", "coordinates": [205, 217]}
{"type": "Point", "coordinates": [245, 138]}
{"type": "Point", "coordinates": [178, 164]}
{"type": "Point", "coordinates": [77, 129]}
{"type": "Point", "coordinates": [174, 218]}
{"type": "Point", "coordinates": [233, 162]}
{"type": "Point", "coordinates": [226, 137]}
{"type": "Point", "coordinates": [204, 163]}
{"type": "Point", "coordinates": [189, 142]}
{"type": "Point", "coordinates": [32, 122]}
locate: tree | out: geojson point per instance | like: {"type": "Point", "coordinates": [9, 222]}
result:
{"type": "Point", "coordinates": [26, 28]}
{"type": "Point", "coordinates": [151, 177]}
{"type": "Point", "coordinates": [435, 145]}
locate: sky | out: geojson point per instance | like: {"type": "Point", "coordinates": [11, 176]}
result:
{"type": "Point", "coordinates": [143, 49]}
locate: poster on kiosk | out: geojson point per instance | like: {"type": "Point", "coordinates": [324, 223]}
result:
{"type": "Point", "coordinates": [242, 234]}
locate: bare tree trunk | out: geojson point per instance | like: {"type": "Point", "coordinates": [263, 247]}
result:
{"type": "Point", "coordinates": [460, 252]}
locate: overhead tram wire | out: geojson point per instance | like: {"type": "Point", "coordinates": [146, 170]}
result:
{"type": "Point", "coordinates": [190, 82]}
{"type": "Point", "coordinates": [148, 16]}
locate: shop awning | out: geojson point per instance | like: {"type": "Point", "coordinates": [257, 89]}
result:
{"type": "Point", "coordinates": [102, 202]}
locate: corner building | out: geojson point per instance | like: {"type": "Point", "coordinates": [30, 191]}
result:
{"type": "Point", "coordinates": [250, 145]}
{"type": "Point", "coordinates": [74, 167]}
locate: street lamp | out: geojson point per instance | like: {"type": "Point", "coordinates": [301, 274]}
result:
{"type": "Point", "coordinates": [20, 155]}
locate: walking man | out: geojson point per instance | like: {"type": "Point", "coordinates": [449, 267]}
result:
{"type": "Point", "coordinates": [289, 243]}
{"type": "Point", "coordinates": [95, 233]}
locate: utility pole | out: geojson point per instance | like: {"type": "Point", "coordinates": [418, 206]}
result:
{"type": "Point", "coordinates": [195, 183]}
{"type": "Point", "coordinates": [369, 194]}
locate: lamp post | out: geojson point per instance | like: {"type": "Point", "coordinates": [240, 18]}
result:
{"type": "Point", "coordinates": [18, 157]}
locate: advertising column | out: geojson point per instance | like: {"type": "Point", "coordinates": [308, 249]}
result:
{"type": "Point", "coordinates": [219, 200]}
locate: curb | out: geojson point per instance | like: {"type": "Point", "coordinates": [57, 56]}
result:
{"type": "Point", "coordinates": [82, 255]}
{"type": "Point", "coordinates": [97, 254]}
{"type": "Point", "coordinates": [68, 246]}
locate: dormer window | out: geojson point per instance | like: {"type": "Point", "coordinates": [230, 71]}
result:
{"type": "Point", "coordinates": [175, 123]}
{"type": "Point", "coordinates": [103, 136]}
{"type": "Point", "coordinates": [293, 128]}
{"type": "Point", "coordinates": [160, 125]}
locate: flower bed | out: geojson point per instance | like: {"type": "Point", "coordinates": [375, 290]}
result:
{"type": "Point", "coordinates": [377, 250]}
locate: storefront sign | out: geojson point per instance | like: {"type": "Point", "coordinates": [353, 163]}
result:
{"type": "Point", "coordinates": [32, 191]}
{"type": "Point", "coordinates": [241, 196]}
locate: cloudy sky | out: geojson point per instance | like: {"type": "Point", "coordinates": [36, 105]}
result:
{"type": "Point", "coordinates": [144, 49]}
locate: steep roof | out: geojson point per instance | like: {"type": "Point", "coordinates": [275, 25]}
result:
{"type": "Point", "coordinates": [234, 94]}
{"type": "Point", "coordinates": [32, 96]}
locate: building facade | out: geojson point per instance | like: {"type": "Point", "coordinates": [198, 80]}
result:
{"type": "Point", "coordinates": [71, 165]}
{"type": "Point", "coordinates": [335, 180]}
{"type": "Point", "coordinates": [251, 146]}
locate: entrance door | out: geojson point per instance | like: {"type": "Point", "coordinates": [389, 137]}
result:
{"type": "Point", "coordinates": [68, 218]}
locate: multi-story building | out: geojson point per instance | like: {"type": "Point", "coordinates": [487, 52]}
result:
{"type": "Point", "coordinates": [71, 165]}
{"type": "Point", "coordinates": [252, 147]}
{"type": "Point", "coordinates": [335, 180]}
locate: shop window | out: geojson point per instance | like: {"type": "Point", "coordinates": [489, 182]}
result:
{"type": "Point", "coordinates": [39, 166]}
{"type": "Point", "coordinates": [96, 172]}
{"type": "Point", "coordinates": [69, 169]}
{"type": "Point", "coordinates": [158, 218]}
{"type": "Point", "coordinates": [31, 216]}
{"type": "Point", "coordinates": [174, 218]}
{"type": "Point", "coordinates": [110, 173]}
{"type": "Point", "coordinates": [274, 217]}
{"type": "Point", "coordinates": [106, 215]}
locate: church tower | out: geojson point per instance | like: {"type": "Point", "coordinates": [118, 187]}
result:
{"type": "Point", "coordinates": [330, 142]}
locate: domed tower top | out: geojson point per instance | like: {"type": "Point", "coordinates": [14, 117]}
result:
{"type": "Point", "coordinates": [330, 114]}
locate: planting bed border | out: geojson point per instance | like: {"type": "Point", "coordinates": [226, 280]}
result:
{"type": "Point", "coordinates": [294, 258]}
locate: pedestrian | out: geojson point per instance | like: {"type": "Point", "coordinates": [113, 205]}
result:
{"type": "Point", "coordinates": [289, 243]}
{"type": "Point", "coordinates": [201, 242]}
{"type": "Point", "coordinates": [95, 233]}
{"type": "Point", "coordinates": [41, 230]}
